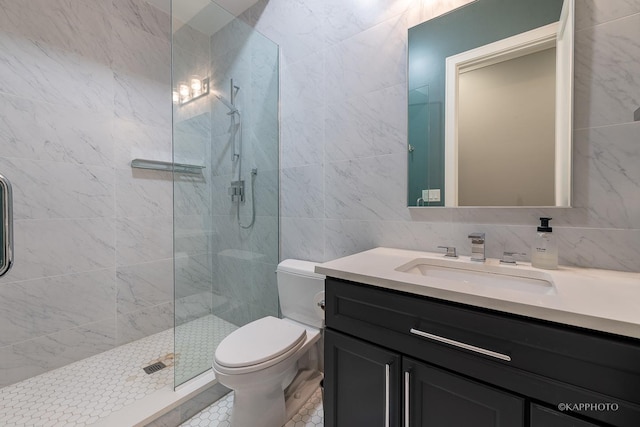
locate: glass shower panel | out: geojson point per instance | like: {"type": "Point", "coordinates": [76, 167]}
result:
{"type": "Point", "coordinates": [225, 83]}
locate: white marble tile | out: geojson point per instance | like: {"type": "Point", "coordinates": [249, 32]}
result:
{"type": "Point", "coordinates": [303, 238]}
{"type": "Point", "coordinates": [144, 285]}
{"type": "Point", "coordinates": [606, 164]}
{"type": "Point", "coordinates": [144, 16]}
{"type": "Point", "coordinates": [191, 195]}
{"type": "Point", "coordinates": [303, 192]}
{"type": "Point", "coordinates": [265, 287]}
{"type": "Point", "coordinates": [297, 27]}
{"type": "Point", "coordinates": [261, 148]}
{"type": "Point", "coordinates": [43, 131]}
{"type": "Point", "coordinates": [139, 324]}
{"type": "Point", "coordinates": [61, 246]}
{"type": "Point", "coordinates": [34, 357]}
{"type": "Point", "coordinates": [34, 308]}
{"type": "Point", "coordinates": [344, 19]}
{"type": "Point", "coordinates": [230, 37]}
{"type": "Point", "coordinates": [594, 12]}
{"type": "Point", "coordinates": [192, 234]}
{"type": "Point", "coordinates": [600, 248]}
{"type": "Point", "coordinates": [74, 26]}
{"type": "Point", "coordinates": [346, 237]}
{"type": "Point", "coordinates": [44, 190]}
{"type": "Point", "coordinates": [264, 67]}
{"type": "Point", "coordinates": [188, 38]}
{"type": "Point", "coordinates": [303, 84]}
{"type": "Point", "coordinates": [368, 188]}
{"type": "Point", "coordinates": [133, 140]}
{"type": "Point", "coordinates": [42, 73]}
{"type": "Point", "coordinates": [607, 65]}
{"type": "Point", "coordinates": [264, 238]}
{"type": "Point", "coordinates": [368, 61]}
{"type": "Point", "coordinates": [193, 275]}
{"type": "Point", "coordinates": [143, 239]}
{"type": "Point", "coordinates": [142, 192]}
{"type": "Point", "coordinates": [143, 100]}
{"type": "Point", "coordinates": [192, 307]}
{"type": "Point", "coordinates": [266, 192]}
{"type": "Point", "coordinates": [138, 52]}
{"type": "Point", "coordinates": [370, 125]}
{"type": "Point", "coordinates": [303, 138]}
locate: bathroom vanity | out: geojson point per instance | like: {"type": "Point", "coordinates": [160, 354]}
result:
{"type": "Point", "coordinates": [431, 347]}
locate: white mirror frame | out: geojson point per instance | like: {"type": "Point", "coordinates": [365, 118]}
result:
{"type": "Point", "coordinates": [559, 34]}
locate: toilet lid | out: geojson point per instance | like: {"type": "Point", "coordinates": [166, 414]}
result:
{"type": "Point", "coordinates": [258, 341]}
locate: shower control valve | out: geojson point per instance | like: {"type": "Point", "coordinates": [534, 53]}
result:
{"type": "Point", "coordinates": [236, 191]}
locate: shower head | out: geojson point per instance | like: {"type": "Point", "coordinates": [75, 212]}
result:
{"type": "Point", "coordinates": [225, 101]}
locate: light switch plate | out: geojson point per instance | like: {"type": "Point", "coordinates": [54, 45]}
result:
{"type": "Point", "coordinates": [431, 195]}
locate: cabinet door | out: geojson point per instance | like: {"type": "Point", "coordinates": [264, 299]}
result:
{"type": "Point", "coordinates": [361, 384]}
{"type": "Point", "coordinates": [544, 417]}
{"type": "Point", "coordinates": [437, 398]}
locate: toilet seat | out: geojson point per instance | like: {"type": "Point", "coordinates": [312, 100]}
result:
{"type": "Point", "coordinates": [258, 345]}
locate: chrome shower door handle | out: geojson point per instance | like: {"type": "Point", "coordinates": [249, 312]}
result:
{"type": "Point", "coordinates": [6, 232]}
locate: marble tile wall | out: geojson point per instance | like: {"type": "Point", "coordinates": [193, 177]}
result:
{"type": "Point", "coordinates": [84, 89]}
{"type": "Point", "coordinates": [344, 129]}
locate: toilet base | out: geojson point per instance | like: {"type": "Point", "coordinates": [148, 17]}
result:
{"type": "Point", "coordinates": [260, 406]}
{"type": "Point", "coordinates": [300, 391]}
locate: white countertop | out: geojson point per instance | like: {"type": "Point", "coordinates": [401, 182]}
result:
{"type": "Point", "coordinates": [602, 300]}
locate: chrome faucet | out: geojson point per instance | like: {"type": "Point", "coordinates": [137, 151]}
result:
{"type": "Point", "coordinates": [477, 247]}
{"type": "Point", "coordinates": [451, 251]}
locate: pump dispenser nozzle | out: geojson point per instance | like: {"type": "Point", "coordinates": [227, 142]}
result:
{"type": "Point", "coordinates": [544, 225]}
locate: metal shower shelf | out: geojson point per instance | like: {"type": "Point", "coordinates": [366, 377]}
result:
{"type": "Point", "coordinates": [166, 166]}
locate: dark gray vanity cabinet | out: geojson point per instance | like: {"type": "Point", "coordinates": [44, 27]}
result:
{"type": "Point", "coordinates": [435, 397]}
{"type": "Point", "coordinates": [545, 417]}
{"type": "Point", "coordinates": [363, 384]}
{"type": "Point", "coordinates": [395, 359]}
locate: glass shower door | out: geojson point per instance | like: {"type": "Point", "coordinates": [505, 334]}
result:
{"type": "Point", "coordinates": [225, 133]}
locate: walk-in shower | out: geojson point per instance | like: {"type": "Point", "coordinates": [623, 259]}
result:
{"type": "Point", "coordinates": [226, 261]}
{"type": "Point", "coordinates": [126, 250]}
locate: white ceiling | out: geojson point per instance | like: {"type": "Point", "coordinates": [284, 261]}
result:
{"type": "Point", "coordinates": [205, 16]}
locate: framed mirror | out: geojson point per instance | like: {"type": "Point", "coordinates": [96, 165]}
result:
{"type": "Point", "coordinates": [490, 88]}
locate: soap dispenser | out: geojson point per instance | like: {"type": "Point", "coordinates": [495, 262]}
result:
{"type": "Point", "coordinates": [544, 253]}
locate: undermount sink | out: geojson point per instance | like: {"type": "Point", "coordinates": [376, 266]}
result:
{"type": "Point", "coordinates": [481, 274]}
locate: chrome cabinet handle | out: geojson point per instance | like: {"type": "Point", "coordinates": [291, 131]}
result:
{"type": "Point", "coordinates": [387, 395]}
{"type": "Point", "coordinates": [461, 345]}
{"type": "Point", "coordinates": [407, 380]}
{"type": "Point", "coordinates": [6, 204]}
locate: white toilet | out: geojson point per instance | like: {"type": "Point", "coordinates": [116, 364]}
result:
{"type": "Point", "coordinates": [273, 365]}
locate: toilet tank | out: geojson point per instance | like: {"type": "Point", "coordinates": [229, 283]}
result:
{"type": "Point", "coordinates": [298, 285]}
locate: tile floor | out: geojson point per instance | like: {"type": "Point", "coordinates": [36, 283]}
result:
{"type": "Point", "coordinates": [86, 391]}
{"type": "Point", "coordinates": [218, 414]}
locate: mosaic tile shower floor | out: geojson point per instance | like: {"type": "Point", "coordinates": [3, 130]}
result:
{"type": "Point", "coordinates": [218, 414]}
{"type": "Point", "coordinates": [86, 391]}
